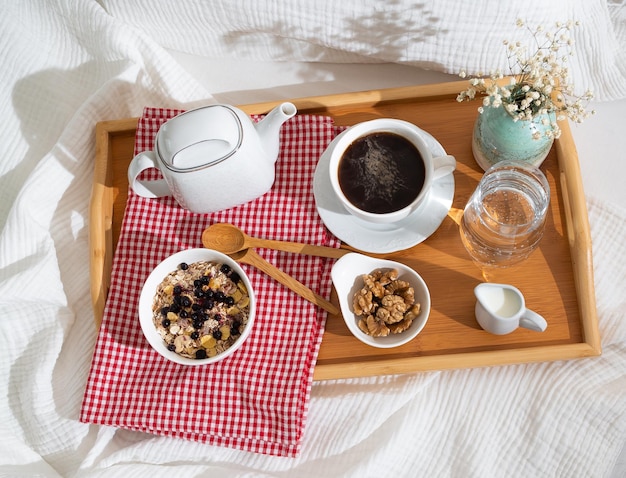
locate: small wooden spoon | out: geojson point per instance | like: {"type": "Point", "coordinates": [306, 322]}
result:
{"type": "Point", "coordinates": [249, 256]}
{"type": "Point", "coordinates": [226, 238]}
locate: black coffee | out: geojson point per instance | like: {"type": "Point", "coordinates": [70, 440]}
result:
{"type": "Point", "coordinates": [381, 172]}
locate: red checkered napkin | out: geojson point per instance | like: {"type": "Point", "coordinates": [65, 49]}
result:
{"type": "Point", "coordinates": [256, 399]}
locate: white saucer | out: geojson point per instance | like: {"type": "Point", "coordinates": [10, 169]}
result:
{"type": "Point", "coordinates": [383, 238]}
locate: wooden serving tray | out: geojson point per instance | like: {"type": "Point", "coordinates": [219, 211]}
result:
{"type": "Point", "coordinates": [557, 280]}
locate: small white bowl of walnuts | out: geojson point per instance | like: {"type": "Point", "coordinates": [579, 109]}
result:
{"type": "Point", "coordinates": [197, 307]}
{"type": "Point", "coordinates": [384, 303]}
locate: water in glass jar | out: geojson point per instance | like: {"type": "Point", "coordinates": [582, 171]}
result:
{"type": "Point", "coordinates": [504, 219]}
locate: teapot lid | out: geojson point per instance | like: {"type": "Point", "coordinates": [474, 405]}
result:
{"type": "Point", "coordinates": [199, 138]}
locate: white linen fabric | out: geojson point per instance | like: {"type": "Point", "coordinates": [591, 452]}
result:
{"type": "Point", "coordinates": [448, 36]}
{"type": "Point", "coordinates": [71, 63]}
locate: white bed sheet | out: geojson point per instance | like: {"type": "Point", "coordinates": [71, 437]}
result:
{"type": "Point", "coordinates": [73, 63]}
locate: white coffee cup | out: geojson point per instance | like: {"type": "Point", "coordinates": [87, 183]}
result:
{"type": "Point", "coordinates": [433, 167]}
{"type": "Point", "coordinates": [501, 309]}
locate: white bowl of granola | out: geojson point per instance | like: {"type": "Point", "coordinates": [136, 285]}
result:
{"type": "Point", "coordinates": [197, 307]}
{"type": "Point", "coordinates": [384, 303]}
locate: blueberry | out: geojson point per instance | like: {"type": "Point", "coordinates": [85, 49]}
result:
{"type": "Point", "coordinates": [217, 334]}
{"type": "Point", "coordinates": [225, 269]}
{"type": "Point", "coordinates": [183, 266]}
{"type": "Point", "coordinates": [235, 277]}
{"type": "Point", "coordinates": [229, 301]}
{"type": "Point", "coordinates": [165, 322]}
{"type": "Point", "coordinates": [194, 335]}
{"type": "Point", "coordinates": [183, 314]}
{"type": "Point", "coordinates": [197, 284]}
{"type": "Point", "coordinates": [198, 322]}
{"type": "Point", "coordinates": [178, 289]}
{"type": "Point", "coordinates": [185, 301]}
{"type": "Point", "coordinates": [171, 347]}
{"type": "Point", "coordinates": [204, 280]}
{"type": "Point", "coordinates": [200, 354]}
{"type": "Point", "coordinates": [208, 304]}
{"type": "Point", "coordinates": [165, 310]}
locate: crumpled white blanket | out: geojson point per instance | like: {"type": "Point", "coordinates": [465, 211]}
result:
{"type": "Point", "coordinates": [447, 36]}
{"type": "Point", "coordinates": [71, 63]}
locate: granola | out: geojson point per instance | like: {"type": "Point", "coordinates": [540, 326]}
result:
{"type": "Point", "coordinates": [201, 309]}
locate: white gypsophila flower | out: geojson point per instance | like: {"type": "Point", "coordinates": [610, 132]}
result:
{"type": "Point", "coordinates": [539, 83]}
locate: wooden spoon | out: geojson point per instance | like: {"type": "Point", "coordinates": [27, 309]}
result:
{"type": "Point", "coordinates": [226, 238]}
{"type": "Point", "coordinates": [249, 256]}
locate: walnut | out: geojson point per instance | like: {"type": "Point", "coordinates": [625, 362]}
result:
{"type": "Point", "coordinates": [376, 328]}
{"type": "Point", "coordinates": [392, 309]}
{"type": "Point", "coordinates": [400, 326]}
{"type": "Point", "coordinates": [385, 304]}
{"type": "Point", "coordinates": [376, 288]}
{"type": "Point", "coordinates": [378, 280]}
{"type": "Point", "coordinates": [403, 289]}
{"type": "Point", "coordinates": [385, 276]}
{"type": "Point", "coordinates": [362, 323]}
{"type": "Point", "coordinates": [362, 302]}
{"type": "Point", "coordinates": [413, 312]}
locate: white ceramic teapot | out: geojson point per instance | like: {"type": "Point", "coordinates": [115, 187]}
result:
{"type": "Point", "coordinates": [212, 158]}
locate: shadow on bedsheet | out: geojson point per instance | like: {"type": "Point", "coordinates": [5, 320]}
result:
{"type": "Point", "coordinates": [49, 186]}
{"type": "Point", "coordinates": [47, 104]}
{"type": "Point", "coordinates": [388, 35]}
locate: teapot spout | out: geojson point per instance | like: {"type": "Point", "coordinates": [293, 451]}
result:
{"type": "Point", "coordinates": [269, 127]}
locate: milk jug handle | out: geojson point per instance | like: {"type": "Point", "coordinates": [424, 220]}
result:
{"type": "Point", "coordinates": [443, 165]}
{"type": "Point", "coordinates": [148, 189]}
{"type": "Point", "coordinates": [533, 321]}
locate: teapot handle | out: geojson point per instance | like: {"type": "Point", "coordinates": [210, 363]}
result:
{"type": "Point", "coordinates": [148, 189]}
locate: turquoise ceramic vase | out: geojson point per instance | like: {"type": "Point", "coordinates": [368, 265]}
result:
{"type": "Point", "coordinates": [497, 138]}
